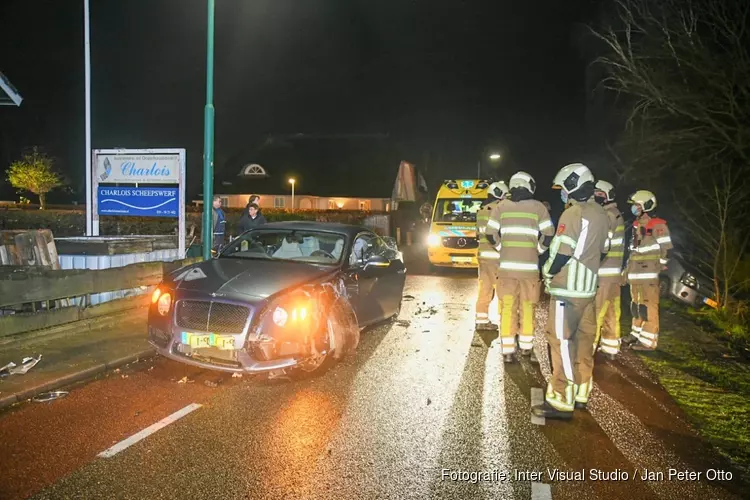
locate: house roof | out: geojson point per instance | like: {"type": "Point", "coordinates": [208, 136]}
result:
{"type": "Point", "coordinates": [328, 167]}
{"type": "Point", "coordinates": [9, 96]}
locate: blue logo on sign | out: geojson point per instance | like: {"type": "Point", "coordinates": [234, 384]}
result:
{"type": "Point", "coordinates": [141, 202]}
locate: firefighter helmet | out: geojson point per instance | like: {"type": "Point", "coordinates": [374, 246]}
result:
{"type": "Point", "coordinates": [607, 191]}
{"type": "Point", "coordinates": [572, 177]}
{"type": "Point", "coordinates": [523, 180]}
{"type": "Point", "coordinates": [498, 189]}
{"type": "Point", "coordinates": [645, 199]}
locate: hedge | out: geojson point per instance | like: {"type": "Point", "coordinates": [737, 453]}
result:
{"type": "Point", "coordinates": [73, 222]}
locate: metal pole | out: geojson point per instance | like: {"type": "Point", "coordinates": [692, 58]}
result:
{"type": "Point", "coordinates": [208, 138]}
{"type": "Point", "coordinates": [292, 196]}
{"type": "Point", "coordinates": [87, 85]}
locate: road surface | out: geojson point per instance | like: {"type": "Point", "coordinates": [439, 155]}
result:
{"type": "Point", "coordinates": [425, 402]}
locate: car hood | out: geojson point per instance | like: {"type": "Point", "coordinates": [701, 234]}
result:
{"type": "Point", "coordinates": [248, 277]}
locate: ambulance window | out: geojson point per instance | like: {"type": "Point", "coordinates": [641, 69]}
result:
{"type": "Point", "coordinates": [457, 210]}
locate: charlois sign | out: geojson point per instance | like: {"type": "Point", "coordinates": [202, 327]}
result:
{"type": "Point", "coordinates": [138, 169]}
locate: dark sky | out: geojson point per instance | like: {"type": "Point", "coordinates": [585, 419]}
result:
{"type": "Point", "coordinates": [446, 79]}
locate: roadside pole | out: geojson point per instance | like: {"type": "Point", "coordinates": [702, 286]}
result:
{"type": "Point", "coordinates": [208, 138]}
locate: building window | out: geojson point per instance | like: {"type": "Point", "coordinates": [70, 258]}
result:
{"type": "Point", "coordinates": [278, 202]}
{"type": "Point", "coordinates": [224, 202]}
{"type": "Point", "coordinates": [364, 205]}
{"type": "Point", "coordinates": [331, 205]}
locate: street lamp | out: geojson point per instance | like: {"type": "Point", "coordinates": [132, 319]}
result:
{"type": "Point", "coordinates": [292, 182]}
{"type": "Point", "coordinates": [208, 137]}
{"type": "Point", "coordinates": [493, 157]}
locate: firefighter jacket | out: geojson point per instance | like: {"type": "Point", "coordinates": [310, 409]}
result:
{"type": "Point", "coordinates": [611, 268]}
{"type": "Point", "coordinates": [517, 226]}
{"type": "Point", "coordinates": [486, 249]}
{"type": "Point", "coordinates": [582, 234]}
{"type": "Point", "coordinates": [649, 245]}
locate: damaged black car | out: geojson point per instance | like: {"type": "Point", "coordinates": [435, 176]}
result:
{"type": "Point", "coordinates": [289, 296]}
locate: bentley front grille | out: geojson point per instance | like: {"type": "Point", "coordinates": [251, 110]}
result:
{"type": "Point", "coordinates": [213, 317]}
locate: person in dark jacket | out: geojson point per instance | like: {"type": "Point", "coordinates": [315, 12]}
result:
{"type": "Point", "coordinates": [251, 218]}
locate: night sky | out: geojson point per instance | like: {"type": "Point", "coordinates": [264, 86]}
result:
{"type": "Point", "coordinates": [447, 81]}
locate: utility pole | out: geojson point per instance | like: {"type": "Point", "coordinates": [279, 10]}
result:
{"type": "Point", "coordinates": [87, 92]}
{"type": "Point", "coordinates": [208, 138]}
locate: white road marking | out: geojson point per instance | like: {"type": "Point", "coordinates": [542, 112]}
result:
{"type": "Point", "coordinates": [537, 398]}
{"type": "Point", "coordinates": [126, 443]}
{"type": "Point", "coordinates": [541, 491]}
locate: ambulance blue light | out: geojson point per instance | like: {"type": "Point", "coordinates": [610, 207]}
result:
{"type": "Point", "coordinates": [467, 184]}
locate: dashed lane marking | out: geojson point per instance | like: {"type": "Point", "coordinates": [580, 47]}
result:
{"type": "Point", "coordinates": [541, 491]}
{"type": "Point", "coordinates": [537, 398]}
{"type": "Point", "coordinates": [126, 443]}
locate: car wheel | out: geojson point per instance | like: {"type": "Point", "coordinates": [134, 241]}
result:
{"type": "Point", "coordinates": [325, 358]}
{"type": "Point", "coordinates": [664, 288]}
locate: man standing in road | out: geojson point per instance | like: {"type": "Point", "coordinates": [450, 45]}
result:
{"type": "Point", "coordinates": [488, 257]}
{"type": "Point", "coordinates": [251, 218]}
{"type": "Point", "coordinates": [608, 295]}
{"type": "Point", "coordinates": [648, 257]}
{"type": "Point", "coordinates": [523, 229]}
{"type": "Point", "coordinates": [571, 276]}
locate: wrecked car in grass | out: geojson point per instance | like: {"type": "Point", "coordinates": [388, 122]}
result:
{"type": "Point", "coordinates": [290, 296]}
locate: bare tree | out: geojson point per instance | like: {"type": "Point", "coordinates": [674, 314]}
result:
{"type": "Point", "coordinates": [684, 68]}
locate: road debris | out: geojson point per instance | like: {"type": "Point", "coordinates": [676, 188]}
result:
{"type": "Point", "coordinates": [185, 380]}
{"type": "Point", "coordinates": [429, 401]}
{"type": "Point", "coordinates": [26, 364]}
{"type": "Point", "coordinates": [213, 383]}
{"type": "Point", "coordinates": [408, 297]}
{"type": "Point", "coordinates": [50, 396]}
{"type": "Point", "coordinates": [403, 322]}
{"type": "Point", "coordinates": [236, 375]}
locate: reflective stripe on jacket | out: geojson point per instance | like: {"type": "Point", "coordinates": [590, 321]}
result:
{"type": "Point", "coordinates": [582, 234]}
{"type": "Point", "coordinates": [611, 268]}
{"type": "Point", "coordinates": [518, 225]}
{"type": "Point", "coordinates": [648, 249]}
{"type": "Point", "coordinates": [486, 250]}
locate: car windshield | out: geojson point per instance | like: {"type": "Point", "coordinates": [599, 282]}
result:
{"type": "Point", "coordinates": [315, 247]}
{"type": "Point", "coordinates": [457, 210]}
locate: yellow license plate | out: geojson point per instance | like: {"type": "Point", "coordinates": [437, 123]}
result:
{"type": "Point", "coordinates": [198, 341]}
{"type": "Point", "coordinates": [711, 303]}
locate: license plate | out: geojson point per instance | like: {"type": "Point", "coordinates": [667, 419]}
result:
{"type": "Point", "coordinates": [462, 260]}
{"type": "Point", "coordinates": [199, 340]}
{"type": "Point", "coordinates": [710, 302]}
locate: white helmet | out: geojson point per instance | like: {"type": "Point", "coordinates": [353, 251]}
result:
{"type": "Point", "coordinates": [646, 200]}
{"type": "Point", "coordinates": [498, 189]}
{"type": "Point", "coordinates": [607, 189]}
{"type": "Point", "coordinates": [522, 180]}
{"type": "Point", "coordinates": [571, 177]}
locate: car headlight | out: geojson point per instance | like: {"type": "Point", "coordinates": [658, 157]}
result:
{"type": "Point", "coordinates": [433, 240]}
{"type": "Point", "coordinates": [163, 303]}
{"type": "Point", "coordinates": [155, 296]}
{"type": "Point", "coordinates": [689, 280]}
{"type": "Point", "coordinates": [293, 314]}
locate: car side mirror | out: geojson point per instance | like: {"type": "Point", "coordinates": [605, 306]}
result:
{"type": "Point", "coordinates": [391, 242]}
{"type": "Point", "coordinates": [376, 261]}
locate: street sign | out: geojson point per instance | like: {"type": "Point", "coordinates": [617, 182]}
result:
{"type": "Point", "coordinates": [141, 201]}
{"type": "Point", "coordinates": [117, 186]}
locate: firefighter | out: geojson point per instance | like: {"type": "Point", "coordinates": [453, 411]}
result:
{"type": "Point", "coordinates": [649, 247]}
{"type": "Point", "coordinates": [571, 276]}
{"type": "Point", "coordinates": [608, 295]}
{"type": "Point", "coordinates": [523, 230]}
{"type": "Point", "coordinates": [488, 257]}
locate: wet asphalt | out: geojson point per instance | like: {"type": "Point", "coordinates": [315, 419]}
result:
{"type": "Point", "coordinates": [424, 397]}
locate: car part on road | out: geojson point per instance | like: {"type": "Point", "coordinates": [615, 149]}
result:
{"type": "Point", "coordinates": [26, 364]}
{"type": "Point", "coordinates": [50, 396]}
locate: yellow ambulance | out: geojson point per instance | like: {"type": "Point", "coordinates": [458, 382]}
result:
{"type": "Point", "coordinates": [452, 241]}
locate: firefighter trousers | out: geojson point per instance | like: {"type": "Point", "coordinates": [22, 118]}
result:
{"type": "Point", "coordinates": [571, 328]}
{"type": "Point", "coordinates": [487, 281]}
{"type": "Point", "coordinates": [608, 313]}
{"type": "Point", "coordinates": [645, 310]}
{"type": "Point", "coordinates": [517, 298]}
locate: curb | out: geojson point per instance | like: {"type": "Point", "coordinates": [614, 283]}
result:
{"type": "Point", "coordinates": [72, 378]}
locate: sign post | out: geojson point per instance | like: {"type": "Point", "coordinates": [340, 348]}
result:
{"type": "Point", "coordinates": [117, 189]}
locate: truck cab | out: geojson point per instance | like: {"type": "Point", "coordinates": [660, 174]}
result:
{"type": "Point", "coordinates": [452, 240]}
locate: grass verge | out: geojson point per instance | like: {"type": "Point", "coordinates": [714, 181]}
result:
{"type": "Point", "coordinates": [709, 381]}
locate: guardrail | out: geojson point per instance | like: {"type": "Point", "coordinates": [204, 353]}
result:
{"type": "Point", "coordinates": [33, 298]}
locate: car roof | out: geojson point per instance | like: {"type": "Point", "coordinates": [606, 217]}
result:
{"type": "Point", "coordinates": [307, 225]}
